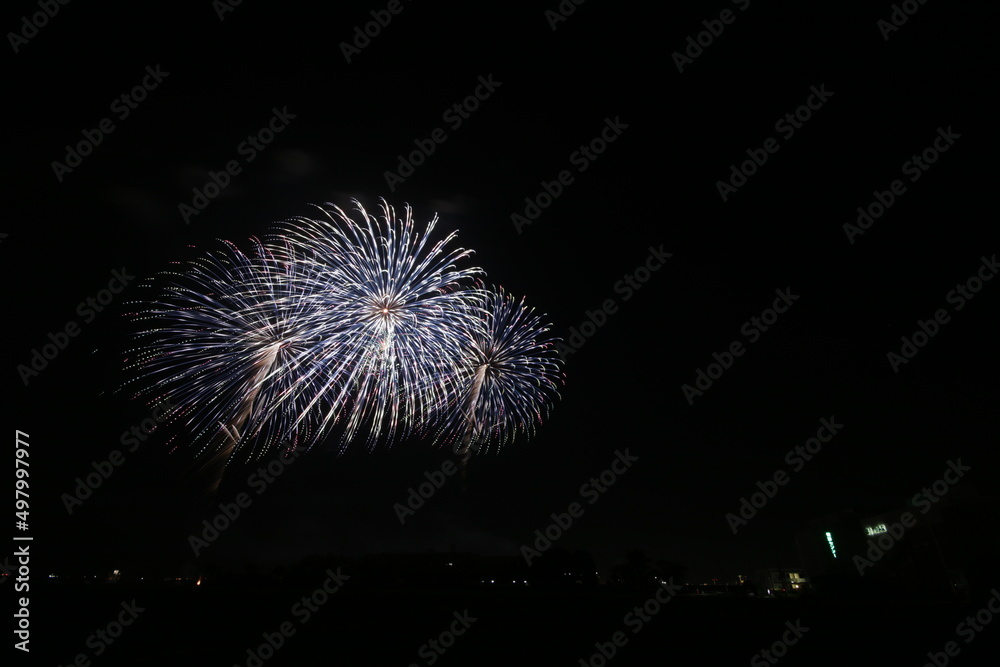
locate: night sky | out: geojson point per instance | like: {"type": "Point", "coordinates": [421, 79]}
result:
{"type": "Point", "coordinates": [654, 186]}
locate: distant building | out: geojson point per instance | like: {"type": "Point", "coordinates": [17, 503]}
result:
{"type": "Point", "coordinates": [950, 548]}
{"type": "Point", "coordinates": [779, 581]}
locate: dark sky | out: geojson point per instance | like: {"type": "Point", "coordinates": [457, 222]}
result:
{"type": "Point", "coordinates": [655, 185]}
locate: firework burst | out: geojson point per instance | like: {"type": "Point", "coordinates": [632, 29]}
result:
{"type": "Point", "coordinates": [508, 377]}
{"type": "Point", "coordinates": [227, 338]}
{"type": "Point", "coordinates": [364, 322]}
{"type": "Point", "coordinates": [393, 306]}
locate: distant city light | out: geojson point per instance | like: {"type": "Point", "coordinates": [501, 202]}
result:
{"type": "Point", "coordinates": [829, 539]}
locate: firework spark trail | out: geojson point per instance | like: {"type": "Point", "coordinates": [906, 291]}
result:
{"type": "Point", "coordinates": [474, 426]}
{"type": "Point", "coordinates": [231, 432]}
